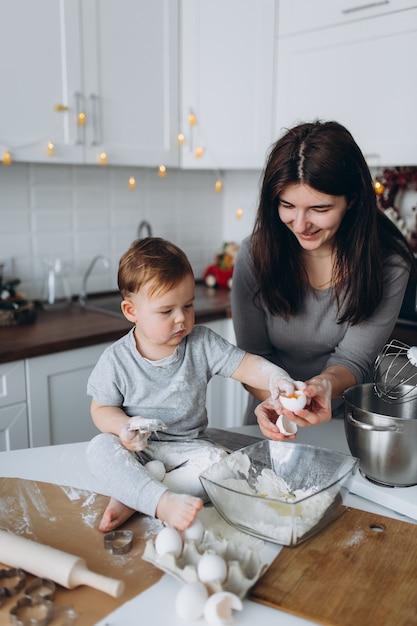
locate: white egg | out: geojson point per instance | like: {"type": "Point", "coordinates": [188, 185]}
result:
{"type": "Point", "coordinates": [190, 601]}
{"type": "Point", "coordinates": [294, 402]}
{"type": "Point", "coordinates": [212, 567]}
{"type": "Point", "coordinates": [286, 426]}
{"type": "Point", "coordinates": [218, 608]}
{"type": "Point", "coordinates": [156, 469]}
{"type": "Point", "coordinates": [168, 541]}
{"type": "Point", "coordinates": [194, 532]}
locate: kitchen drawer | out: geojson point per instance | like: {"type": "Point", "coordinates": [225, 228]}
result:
{"type": "Point", "coordinates": [12, 383]}
{"type": "Point", "coordinates": [297, 16]}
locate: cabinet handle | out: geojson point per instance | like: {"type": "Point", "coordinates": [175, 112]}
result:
{"type": "Point", "coordinates": [80, 116]}
{"type": "Point", "coordinates": [96, 120]}
{"type": "Point", "coordinates": [370, 5]}
{"type": "Point", "coordinates": [60, 107]}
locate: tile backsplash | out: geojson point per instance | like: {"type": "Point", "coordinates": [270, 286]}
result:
{"type": "Point", "coordinates": [75, 213]}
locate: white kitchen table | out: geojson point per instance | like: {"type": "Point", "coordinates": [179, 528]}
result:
{"type": "Point", "coordinates": [65, 465]}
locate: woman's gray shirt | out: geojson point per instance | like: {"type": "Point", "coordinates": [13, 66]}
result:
{"type": "Point", "coordinates": [312, 340]}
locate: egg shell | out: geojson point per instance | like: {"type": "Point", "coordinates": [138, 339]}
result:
{"type": "Point", "coordinates": [190, 601]}
{"type": "Point", "coordinates": [286, 426]}
{"type": "Point", "coordinates": [168, 541]}
{"type": "Point", "coordinates": [194, 532]}
{"type": "Point", "coordinates": [295, 402]}
{"type": "Point", "coordinates": [212, 567]}
{"type": "Point", "coordinates": [156, 469]}
{"type": "Point", "coordinates": [218, 608]}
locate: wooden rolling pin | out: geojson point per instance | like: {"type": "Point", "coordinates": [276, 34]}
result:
{"type": "Point", "coordinates": [45, 562]}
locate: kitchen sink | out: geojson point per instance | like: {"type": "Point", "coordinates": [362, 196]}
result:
{"type": "Point", "coordinates": [208, 303]}
{"type": "Point", "coordinates": [109, 304]}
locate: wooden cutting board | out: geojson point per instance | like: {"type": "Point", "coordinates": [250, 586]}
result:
{"type": "Point", "coordinates": [359, 571]}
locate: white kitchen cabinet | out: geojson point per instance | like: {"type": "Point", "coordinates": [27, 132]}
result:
{"type": "Point", "coordinates": [58, 405]}
{"type": "Point", "coordinates": [226, 82]}
{"type": "Point", "coordinates": [108, 66]}
{"type": "Point", "coordinates": [297, 16]}
{"type": "Point", "coordinates": [14, 433]}
{"type": "Point", "coordinates": [40, 67]}
{"type": "Point", "coordinates": [226, 398]}
{"type": "Point", "coordinates": [358, 70]}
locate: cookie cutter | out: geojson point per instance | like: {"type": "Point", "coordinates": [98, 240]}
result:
{"type": "Point", "coordinates": [118, 541]}
{"type": "Point", "coordinates": [41, 587]}
{"type": "Point", "coordinates": [19, 614]}
{"type": "Point", "coordinates": [12, 590]}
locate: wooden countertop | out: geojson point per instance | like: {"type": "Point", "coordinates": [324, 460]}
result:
{"type": "Point", "coordinates": [74, 327]}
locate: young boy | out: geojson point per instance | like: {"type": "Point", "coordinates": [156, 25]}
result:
{"type": "Point", "coordinates": [160, 371]}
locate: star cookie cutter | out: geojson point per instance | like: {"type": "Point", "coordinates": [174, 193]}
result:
{"type": "Point", "coordinates": [12, 590]}
{"type": "Point", "coordinates": [118, 541]}
{"type": "Point", "coordinates": [41, 587]}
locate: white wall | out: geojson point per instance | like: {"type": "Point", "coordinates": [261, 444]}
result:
{"type": "Point", "coordinates": [75, 213]}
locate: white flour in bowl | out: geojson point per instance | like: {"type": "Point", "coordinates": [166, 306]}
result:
{"type": "Point", "coordinates": [275, 511]}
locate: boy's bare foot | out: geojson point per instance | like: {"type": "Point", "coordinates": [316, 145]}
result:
{"type": "Point", "coordinates": [115, 514]}
{"type": "Point", "coordinates": [177, 509]}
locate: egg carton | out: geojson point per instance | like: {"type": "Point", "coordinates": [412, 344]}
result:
{"type": "Point", "coordinates": [244, 566]}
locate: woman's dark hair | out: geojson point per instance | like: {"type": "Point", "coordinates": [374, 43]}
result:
{"type": "Point", "coordinates": [324, 156]}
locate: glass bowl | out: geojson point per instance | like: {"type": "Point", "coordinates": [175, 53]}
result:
{"type": "Point", "coordinates": [279, 491]}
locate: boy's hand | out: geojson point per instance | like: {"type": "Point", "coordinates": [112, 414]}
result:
{"type": "Point", "coordinates": [283, 385]}
{"type": "Point", "coordinates": [134, 440]}
{"type": "Point", "coordinates": [146, 425]}
{"type": "Point", "coordinates": [136, 432]}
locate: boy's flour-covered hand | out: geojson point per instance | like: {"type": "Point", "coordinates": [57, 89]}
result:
{"type": "Point", "coordinates": [146, 425]}
{"type": "Point", "coordinates": [136, 432]}
{"type": "Point", "coordinates": [284, 385]}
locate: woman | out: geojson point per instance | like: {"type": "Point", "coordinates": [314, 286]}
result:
{"type": "Point", "coordinates": [318, 286]}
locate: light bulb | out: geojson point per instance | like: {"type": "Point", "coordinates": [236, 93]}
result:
{"type": "Point", "coordinates": [239, 213]}
{"type": "Point", "coordinates": [102, 158]}
{"type": "Point", "coordinates": [162, 171]}
{"type": "Point", "coordinates": [192, 120]}
{"type": "Point", "coordinates": [132, 183]}
{"type": "Point", "coordinates": [379, 188]}
{"type": "Point", "coordinates": [50, 148]}
{"type": "Point", "coordinates": [199, 152]}
{"type": "Point", "coordinates": [218, 186]}
{"type": "Point", "coordinates": [7, 158]}
{"type": "Point", "coordinates": [181, 139]}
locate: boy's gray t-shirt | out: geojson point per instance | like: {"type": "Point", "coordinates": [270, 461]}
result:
{"type": "Point", "coordinates": [175, 394]}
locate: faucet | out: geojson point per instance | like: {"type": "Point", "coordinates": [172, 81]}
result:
{"type": "Point", "coordinates": [82, 297]}
{"type": "Point", "coordinates": [144, 225]}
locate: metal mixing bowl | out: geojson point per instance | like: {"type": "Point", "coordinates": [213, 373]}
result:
{"type": "Point", "coordinates": [383, 435]}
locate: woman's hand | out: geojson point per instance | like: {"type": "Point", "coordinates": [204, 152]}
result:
{"type": "Point", "coordinates": [318, 391]}
{"type": "Point", "coordinates": [267, 414]}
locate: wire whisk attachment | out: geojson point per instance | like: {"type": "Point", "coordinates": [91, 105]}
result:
{"type": "Point", "coordinates": [395, 372]}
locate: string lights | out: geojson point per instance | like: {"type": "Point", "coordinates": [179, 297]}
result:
{"type": "Point", "coordinates": [7, 158]}
{"type": "Point", "coordinates": [49, 146]}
